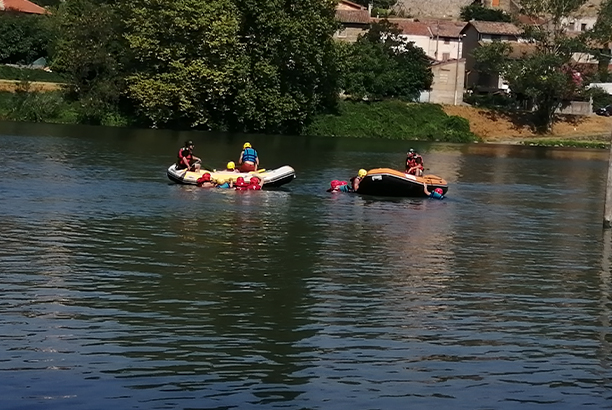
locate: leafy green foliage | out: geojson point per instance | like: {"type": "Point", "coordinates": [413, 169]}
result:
{"type": "Point", "coordinates": [392, 119]}
{"type": "Point", "coordinates": [88, 50]}
{"type": "Point", "coordinates": [186, 55]}
{"type": "Point", "coordinates": [29, 74]}
{"type": "Point", "coordinates": [380, 66]}
{"type": "Point", "coordinates": [600, 98]}
{"type": "Point", "coordinates": [23, 38]}
{"type": "Point", "coordinates": [545, 77]}
{"type": "Point", "coordinates": [290, 69]}
{"type": "Point", "coordinates": [477, 11]}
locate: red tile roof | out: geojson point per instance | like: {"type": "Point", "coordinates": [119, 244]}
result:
{"type": "Point", "coordinates": [429, 28]}
{"type": "Point", "coordinates": [496, 27]}
{"type": "Point", "coordinates": [22, 6]}
{"type": "Point", "coordinates": [353, 16]}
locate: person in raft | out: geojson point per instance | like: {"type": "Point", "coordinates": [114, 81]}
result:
{"type": "Point", "coordinates": [186, 159]}
{"type": "Point", "coordinates": [355, 181]}
{"type": "Point", "coordinates": [437, 193]}
{"type": "Point", "coordinates": [410, 159]}
{"type": "Point", "coordinates": [417, 168]}
{"type": "Point", "coordinates": [230, 167]}
{"type": "Point", "coordinates": [249, 161]}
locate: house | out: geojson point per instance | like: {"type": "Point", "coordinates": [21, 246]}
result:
{"type": "Point", "coordinates": [440, 39]}
{"type": "Point", "coordinates": [354, 20]}
{"type": "Point", "coordinates": [448, 83]}
{"type": "Point", "coordinates": [477, 33]}
{"type": "Point", "coordinates": [21, 6]}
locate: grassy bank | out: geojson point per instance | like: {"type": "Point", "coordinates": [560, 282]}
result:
{"type": "Point", "coordinates": [28, 74]}
{"type": "Point", "coordinates": [392, 119]}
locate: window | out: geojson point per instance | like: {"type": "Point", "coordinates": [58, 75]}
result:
{"type": "Point", "coordinates": [571, 26]}
{"type": "Point", "coordinates": [583, 27]}
{"type": "Point", "coordinates": [445, 56]}
{"type": "Point", "coordinates": [446, 41]}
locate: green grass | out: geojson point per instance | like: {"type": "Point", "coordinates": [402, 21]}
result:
{"type": "Point", "coordinates": [27, 74]}
{"type": "Point", "coordinates": [567, 143]}
{"type": "Point", "coordinates": [393, 120]}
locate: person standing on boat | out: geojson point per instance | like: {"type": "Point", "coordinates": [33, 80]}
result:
{"type": "Point", "coordinates": [355, 181]}
{"type": "Point", "coordinates": [437, 193]}
{"type": "Point", "coordinates": [186, 159]}
{"type": "Point", "coordinates": [249, 160]}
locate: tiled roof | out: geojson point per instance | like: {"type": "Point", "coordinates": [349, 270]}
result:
{"type": "Point", "coordinates": [496, 27]}
{"type": "Point", "coordinates": [442, 28]}
{"type": "Point", "coordinates": [344, 5]}
{"type": "Point", "coordinates": [22, 6]}
{"type": "Point", "coordinates": [353, 16]}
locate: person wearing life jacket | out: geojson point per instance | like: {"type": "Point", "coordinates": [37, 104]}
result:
{"type": "Point", "coordinates": [355, 181]}
{"type": "Point", "coordinates": [186, 159]}
{"type": "Point", "coordinates": [205, 181]}
{"type": "Point", "coordinates": [231, 167]}
{"type": "Point", "coordinates": [437, 193]}
{"type": "Point", "coordinates": [255, 184]}
{"type": "Point", "coordinates": [223, 184]}
{"type": "Point", "coordinates": [249, 160]}
{"type": "Point", "coordinates": [339, 186]}
{"type": "Point", "coordinates": [410, 159]}
{"type": "Point", "coordinates": [417, 168]}
{"type": "Point", "coordinates": [240, 185]}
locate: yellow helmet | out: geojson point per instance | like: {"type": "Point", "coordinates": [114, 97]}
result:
{"type": "Point", "coordinates": [362, 173]}
{"type": "Point", "coordinates": [246, 145]}
{"type": "Point", "coordinates": [231, 165]}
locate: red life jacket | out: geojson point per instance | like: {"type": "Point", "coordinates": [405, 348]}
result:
{"type": "Point", "coordinates": [184, 153]}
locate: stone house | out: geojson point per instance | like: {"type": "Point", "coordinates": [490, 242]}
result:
{"type": "Point", "coordinates": [443, 9]}
{"type": "Point", "coordinates": [477, 33]}
{"type": "Point", "coordinates": [354, 20]}
{"type": "Point", "coordinates": [21, 6]}
{"type": "Point", "coordinates": [448, 83]}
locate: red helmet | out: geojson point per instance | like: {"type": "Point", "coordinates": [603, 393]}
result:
{"type": "Point", "coordinates": [439, 191]}
{"type": "Point", "coordinates": [254, 180]}
{"type": "Point", "coordinates": [240, 181]}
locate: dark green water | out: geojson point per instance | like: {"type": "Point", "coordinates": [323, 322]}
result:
{"type": "Point", "coordinates": [123, 290]}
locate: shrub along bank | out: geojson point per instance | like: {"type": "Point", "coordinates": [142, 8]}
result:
{"type": "Point", "coordinates": [384, 119]}
{"type": "Point", "coordinates": [392, 119]}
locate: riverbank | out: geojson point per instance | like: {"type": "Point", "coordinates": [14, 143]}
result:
{"type": "Point", "coordinates": [500, 128]}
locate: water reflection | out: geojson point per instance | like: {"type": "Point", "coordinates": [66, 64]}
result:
{"type": "Point", "coordinates": [122, 289]}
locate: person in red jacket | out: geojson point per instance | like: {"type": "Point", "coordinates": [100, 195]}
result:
{"type": "Point", "coordinates": [186, 159]}
{"type": "Point", "coordinates": [255, 184]}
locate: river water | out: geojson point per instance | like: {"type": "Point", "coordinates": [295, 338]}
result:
{"type": "Point", "coordinates": [123, 290]}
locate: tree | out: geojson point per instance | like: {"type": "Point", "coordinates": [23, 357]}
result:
{"type": "Point", "coordinates": [477, 11]}
{"type": "Point", "coordinates": [88, 49]}
{"type": "Point", "coordinates": [23, 38]}
{"type": "Point", "coordinates": [600, 38]}
{"type": "Point", "coordinates": [380, 65]}
{"type": "Point", "coordinates": [546, 76]}
{"type": "Point", "coordinates": [185, 60]}
{"type": "Point", "coordinates": [291, 69]}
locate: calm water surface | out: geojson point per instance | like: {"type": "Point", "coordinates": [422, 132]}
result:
{"type": "Point", "coordinates": [121, 290]}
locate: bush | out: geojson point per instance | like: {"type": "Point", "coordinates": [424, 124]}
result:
{"type": "Point", "coordinates": [600, 98]}
{"type": "Point", "coordinates": [392, 119]}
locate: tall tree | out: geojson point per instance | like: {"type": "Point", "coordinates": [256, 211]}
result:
{"type": "Point", "coordinates": [185, 58]}
{"type": "Point", "coordinates": [380, 65]}
{"type": "Point", "coordinates": [291, 70]}
{"type": "Point", "coordinates": [546, 76]}
{"type": "Point", "coordinates": [23, 37]}
{"type": "Point", "coordinates": [88, 49]}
